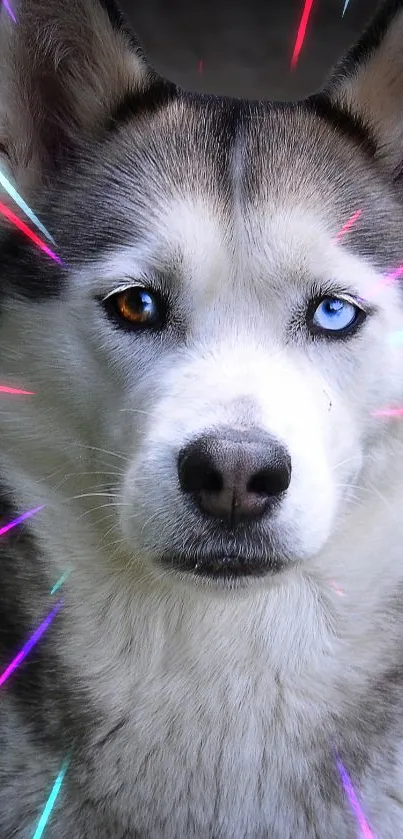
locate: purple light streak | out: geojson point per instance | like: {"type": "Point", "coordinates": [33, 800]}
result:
{"type": "Point", "coordinates": [21, 518]}
{"type": "Point", "coordinates": [8, 9]}
{"type": "Point", "coordinates": [30, 643]}
{"type": "Point", "coordinates": [365, 830]}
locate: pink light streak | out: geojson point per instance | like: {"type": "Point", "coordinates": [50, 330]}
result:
{"type": "Point", "coordinates": [30, 643]}
{"type": "Point", "coordinates": [16, 391]}
{"type": "Point", "coordinates": [301, 32]}
{"type": "Point", "coordinates": [348, 225]}
{"type": "Point", "coordinates": [388, 412]}
{"type": "Point", "coordinates": [201, 67]}
{"type": "Point", "coordinates": [365, 830]}
{"type": "Point", "coordinates": [10, 216]}
{"type": "Point", "coordinates": [20, 519]}
{"type": "Point", "coordinates": [336, 587]}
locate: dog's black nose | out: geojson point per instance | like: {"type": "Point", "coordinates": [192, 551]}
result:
{"type": "Point", "coordinates": [234, 476]}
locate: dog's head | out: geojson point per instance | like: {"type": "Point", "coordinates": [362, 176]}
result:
{"type": "Point", "coordinates": [222, 328]}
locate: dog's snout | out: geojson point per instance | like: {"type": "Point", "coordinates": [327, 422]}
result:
{"type": "Point", "coordinates": [234, 476]}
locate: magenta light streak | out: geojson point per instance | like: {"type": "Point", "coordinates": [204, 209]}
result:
{"type": "Point", "coordinates": [30, 643]}
{"type": "Point", "coordinates": [395, 274]}
{"type": "Point", "coordinates": [347, 226]}
{"type": "Point", "coordinates": [10, 216]}
{"type": "Point", "coordinates": [21, 518]}
{"type": "Point", "coordinates": [15, 391]}
{"type": "Point", "coordinates": [388, 412]}
{"type": "Point", "coordinates": [301, 32]}
{"type": "Point", "coordinates": [365, 830]}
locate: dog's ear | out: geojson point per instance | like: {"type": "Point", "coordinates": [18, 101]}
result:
{"type": "Point", "coordinates": [65, 65]}
{"type": "Point", "coordinates": [367, 85]}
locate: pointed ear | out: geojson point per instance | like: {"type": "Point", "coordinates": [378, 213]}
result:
{"type": "Point", "coordinates": [64, 66]}
{"type": "Point", "coordinates": [368, 86]}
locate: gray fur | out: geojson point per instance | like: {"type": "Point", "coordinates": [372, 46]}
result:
{"type": "Point", "coordinates": [192, 708]}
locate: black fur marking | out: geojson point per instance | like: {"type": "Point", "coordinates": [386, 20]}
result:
{"type": "Point", "coordinates": [119, 24]}
{"type": "Point", "coordinates": [143, 103]}
{"type": "Point", "coordinates": [28, 272]}
{"type": "Point", "coordinates": [39, 686]}
{"type": "Point", "coordinates": [344, 121]}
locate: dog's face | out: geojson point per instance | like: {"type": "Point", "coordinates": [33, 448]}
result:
{"type": "Point", "coordinates": [221, 324]}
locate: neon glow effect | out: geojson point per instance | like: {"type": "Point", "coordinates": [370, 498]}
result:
{"type": "Point", "coordinates": [365, 830]}
{"type": "Point", "coordinates": [10, 216]}
{"type": "Point", "coordinates": [345, 7]}
{"type": "Point", "coordinates": [30, 643]}
{"type": "Point", "coordinates": [15, 390]}
{"type": "Point", "coordinates": [60, 582]}
{"type": "Point", "coordinates": [8, 9]}
{"type": "Point", "coordinates": [51, 800]}
{"type": "Point", "coordinates": [388, 412]}
{"type": "Point", "coordinates": [301, 32]}
{"type": "Point", "coordinates": [336, 587]}
{"type": "Point", "coordinates": [347, 226]}
{"type": "Point", "coordinates": [395, 275]}
{"type": "Point", "coordinates": [388, 279]}
{"type": "Point", "coordinates": [23, 206]}
{"type": "Point", "coordinates": [21, 518]}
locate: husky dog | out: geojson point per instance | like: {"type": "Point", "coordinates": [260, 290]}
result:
{"type": "Point", "coordinates": [209, 362]}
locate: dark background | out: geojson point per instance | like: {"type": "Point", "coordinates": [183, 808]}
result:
{"type": "Point", "coordinates": [245, 45]}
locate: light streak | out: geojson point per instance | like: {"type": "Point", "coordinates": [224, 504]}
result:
{"type": "Point", "coordinates": [20, 519]}
{"type": "Point", "coordinates": [365, 830]}
{"type": "Point", "coordinates": [388, 412]}
{"type": "Point", "coordinates": [9, 10]}
{"type": "Point", "coordinates": [15, 391]}
{"type": "Point", "coordinates": [347, 226]}
{"type": "Point", "coordinates": [51, 800]}
{"type": "Point", "coordinates": [24, 206]}
{"type": "Point", "coordinates": [60, 582]}
{"type": "Point", "coordinates": [30, 643]}
{"type": "Point", "coordinates": [301, 32]}
{"type": "Point", "coordinates": [10, 216]}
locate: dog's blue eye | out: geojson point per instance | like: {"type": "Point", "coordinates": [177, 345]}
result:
{"type": "Point", "coordinates": [334, 315]}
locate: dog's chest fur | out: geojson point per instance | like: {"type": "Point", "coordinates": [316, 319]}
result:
{"type": "Point", "coordinates": [199, 735]}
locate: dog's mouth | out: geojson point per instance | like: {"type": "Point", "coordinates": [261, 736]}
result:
{"type": "Point", "coordinates": [223, 567]}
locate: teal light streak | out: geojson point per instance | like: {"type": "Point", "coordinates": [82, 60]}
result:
{"type": "Point", "coordinates": [51, 800]}
{"type": "Point", "coordinates": [23, 206]}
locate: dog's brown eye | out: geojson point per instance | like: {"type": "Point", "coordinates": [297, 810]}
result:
{"type": "Point", "coordinates": [136, 307]}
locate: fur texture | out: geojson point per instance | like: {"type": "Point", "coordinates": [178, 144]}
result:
{"type": "Point", "coordinates": [196, 707]}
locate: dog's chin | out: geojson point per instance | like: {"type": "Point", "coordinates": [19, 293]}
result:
{"type": "Point", "coordinates": [223, 570]}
